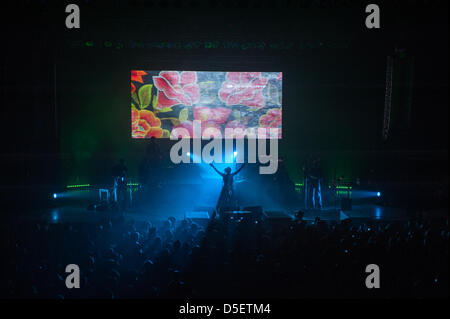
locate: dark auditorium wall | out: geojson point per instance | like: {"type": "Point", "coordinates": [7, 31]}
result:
{"type": "Point", "coordinates": [333, 83]}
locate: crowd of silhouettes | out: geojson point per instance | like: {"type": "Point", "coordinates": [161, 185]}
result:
{"type": "Point", "coordinates": [121, 258]}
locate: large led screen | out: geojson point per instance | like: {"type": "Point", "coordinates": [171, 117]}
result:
{"type": "Point", "coordinates": [164, 101]}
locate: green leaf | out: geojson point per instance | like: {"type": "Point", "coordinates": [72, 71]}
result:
{"type": "Point", "coordinates": [167, 109]}
{"type": "Point", "coordinates": [206, 85]}
{"type": "Point", "coordinates": [184, 114]}
{"type": "Point", "coordinates": [155, 101]}
{"type": "Point", "coordinates": [135, 97]}
{"type": "Point", "coordinates": [166, 134]}
{"type": "Point", "coordinates": [145, 95]}
{"type": "Point", "coordinates": [174, 120]}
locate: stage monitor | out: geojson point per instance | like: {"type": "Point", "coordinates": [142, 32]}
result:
{"type": "Point", "coordinates": [164, 101]}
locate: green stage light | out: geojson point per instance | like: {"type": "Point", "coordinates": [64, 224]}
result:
{"type": "Point", "coordinates": [78, 185]}
{"type": "Point", "coordinates": [344, 187]}
{"type": "Point", "coordinates": [133, 184]}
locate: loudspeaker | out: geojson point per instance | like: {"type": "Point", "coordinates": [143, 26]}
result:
{"type": "Point", "coordinates": [236, 215]}
{"type": "Point", "coordinates": [346, 204]}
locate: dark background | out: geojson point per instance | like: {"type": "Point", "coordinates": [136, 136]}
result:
{"type": "Point", "coordinates": [65, 93]}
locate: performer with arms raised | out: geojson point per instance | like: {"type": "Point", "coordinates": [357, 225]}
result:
{"type": "Point", "coordinates": [227, 194]}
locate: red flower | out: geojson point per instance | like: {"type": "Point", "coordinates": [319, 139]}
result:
{"type": "Point", "coordinates": [133, 88]}
{"type": "Point", "coordinates": [144, 124]}
{"type": "Point", "coordinates": [217, 115]}
{"type": "Point", "coordinates": [137, 76]}
{"type": "Point", "coordinates": [272, 121]}
{"type": "Point", "coordinates": [188, 127]}
{"type": "Point", "coordinates": [243, 88]}
{"type": "Point", "coordinates": [176, 88]}
{"type": "Point", "coordinates": [184, 129]}
{"type": "Point", "coordinates": [209, 117]}
{"type": "Point", "coordinates": [272, 118]}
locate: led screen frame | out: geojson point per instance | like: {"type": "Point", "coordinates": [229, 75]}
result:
{"type": "Point", "coordinates": [164, 101]}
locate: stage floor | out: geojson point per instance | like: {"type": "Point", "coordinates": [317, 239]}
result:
{"type": "Point", "coordinates": [78, 214]}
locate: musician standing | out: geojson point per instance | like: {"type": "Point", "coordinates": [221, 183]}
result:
{"type": "Point", "coordinates": [315, 180]}
{"type": "Point", "coordinates": [119, 172]}
{"type": "Point", "coordinates": [312, 173]}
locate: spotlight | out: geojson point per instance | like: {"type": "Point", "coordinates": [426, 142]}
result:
{"type": "Point", "coordinates": [378, 194]}
{"type": "Point", "coordinates": [188, 154]}
{"type": "Point", "coordinates": [55, 196]}
{"type": "Point", "coordinates": [235, 153]}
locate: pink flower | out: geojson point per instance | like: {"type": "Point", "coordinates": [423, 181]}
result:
{"type": "Point", "coordinates": [212, 118]}
{"type": "Point", "coordinates": [272, 122]}
{"type": "Point", "coordinates": [184, 129]}
{"type": "Point", "coordinates": [217, 115]}
{"type": "Point", "coordinates": [243, 88]}
{"type": "Point", "coordinates": [209, 117]}
{"type": "Point", "coordinates": [272, 118]}
{"type": "Point", "coordinates": [176, 88]}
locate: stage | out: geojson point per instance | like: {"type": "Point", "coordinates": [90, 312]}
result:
{"type": "Point", "coordinates": [79, 214]}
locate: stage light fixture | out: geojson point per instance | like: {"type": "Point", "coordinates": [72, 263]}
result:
{"type": "Point", "coordinates": [55, 196]}
{"type": "Point", "coordinates": [378, 194]}
{"type": "Point", "coordinates": [235, 154]}
{"type": "Point", "coordinates": [78, 186]}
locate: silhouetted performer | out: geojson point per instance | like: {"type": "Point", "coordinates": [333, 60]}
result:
{"type": "Point", "coordinates": [306, 168]}
{"type": "Point", "coordinates": [227, 194]}
{"type": "Point", "coordinates": [315, 179]}
{"type": "Point", "coordinates": [120, 183]}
